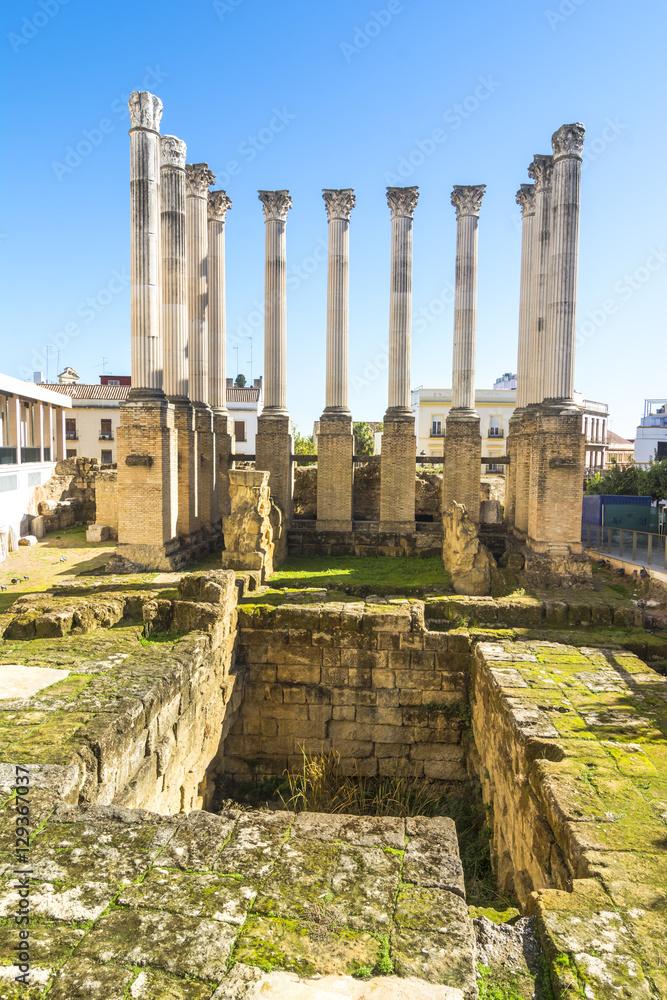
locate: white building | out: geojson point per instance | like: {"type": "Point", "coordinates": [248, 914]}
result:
{"type": "Point", "coordinates": [495, 407]}
{"type": "Point", "coordinates": [245, 405]}
{"type": "Point", "coordinates": [32, 440]}
{"type": "Point", "coordinates": [431, 406]}
{"type": "Point", "coordinates": [651, 437]}
{"type": "Point", "coordinates": [92, 424]}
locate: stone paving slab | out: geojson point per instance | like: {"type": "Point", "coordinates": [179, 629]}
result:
{"type": "Point", "coordinates": [130, 904]}
{"type": "Point", "coordinates": [17, 681]}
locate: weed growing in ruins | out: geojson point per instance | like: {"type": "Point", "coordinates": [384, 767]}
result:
{"type": "Point", "coordinates": [320, 786]}
{"type": "Point", "coordinates": [363, 574]}
{"type": "Point", "coordinates": [384, 965]}
{"type": "Point", "coordinates": [172, 636]}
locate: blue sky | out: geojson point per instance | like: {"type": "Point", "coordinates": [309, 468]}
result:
{"type": "Point", "coordinates": [306, 95]}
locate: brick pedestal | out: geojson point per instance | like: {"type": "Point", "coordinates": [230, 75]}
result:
{"type": "Point", "coordinates": [462, 467]}
{"type": "Point", "coordinates": [224, 449]}
{"type": "Point", "coordinates": [556, 482]}
{"type": "Point", "coordinates": [147, 488]}
{"type": "Point", "coordinates": [273, 453]}
{"type": "Point", "coordinates": [397, 473]}
{"type": "Point", "coordinates": [209, 511]}
{"type": "Point", "coordinates": [188, 524]}
{"type": "Point", "coordinates": [335, 450]}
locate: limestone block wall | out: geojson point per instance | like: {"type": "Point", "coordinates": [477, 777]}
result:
{"type": "Point", "coordinates": [572, 764]}
{"type": "Point", "coordinates": [364, 540]}
{"type": "Point", "coordinates": [146, 729]}
{"type": "Point", "coordinates": [368, 681]}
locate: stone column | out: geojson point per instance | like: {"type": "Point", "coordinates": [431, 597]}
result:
{"type": "Point", "coordinates": [147, 449]}
{"type": "Point", "coordinates": [274, 445]}
{"type": "Point", "coordinates": [218, 205]}
{"type": "Point", "coordinates": [335, 445]}
{"type": "Point", "coordinates": [518, 475]}
{"type": "Point", "coordinates": [198, 179]}
{"type": "Point", "coordinates": [463, 443]}
{"type": "Point", "coordinates": [568, 144]}
{"type": "Point", "coordinates": [399, 444]}
{"type": "Point", "coordinates": [558, 443]}
{"type": "Point", "coordinates": [541, 171]}
{"type": "Point", "coordinates": [173, 240]}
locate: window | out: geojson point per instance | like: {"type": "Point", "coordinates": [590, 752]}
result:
{"type": "Point", "coordinates": [71, 453]}
{"type": "Point", "coordinates": [70, 429]}
{"type": "Point", "coordinates": [495, 430]}
{"type": "Point", "coordinates": [113, 381]}
{"type": "Point", "coordinates": [239, 430]}
{"type": "Point", "coordinates": [436, 427]}
{"type": "Point", "coordinates": [105, 430]}
{"type": "Point", "coordinates": [107, 457]}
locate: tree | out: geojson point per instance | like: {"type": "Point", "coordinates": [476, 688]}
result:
{"type": "Point", "coordinates": [619, 482]}
{"type": "Point", "coordinates": [364, 438]}
{"type": "Point", "coordinates": [240, 382]}
{"type": "Point", "coordinates": [303, 445]}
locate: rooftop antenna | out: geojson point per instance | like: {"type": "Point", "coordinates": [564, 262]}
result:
{"type": "Point", "coordinates": [237, 361]}
{"type": "Point", "coordinates": [250, 339]}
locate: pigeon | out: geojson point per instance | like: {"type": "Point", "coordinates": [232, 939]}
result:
{"type": "Point", "coordinates": [63, 558]}
{"type": "Point", "coordinates": [2, 586]}
{"type": "Point", "coordinates": [26, 577]}
{"type": "Point", "coordinates": [15, 581]}
{"type": "Point", "coordinates": [643, 574]}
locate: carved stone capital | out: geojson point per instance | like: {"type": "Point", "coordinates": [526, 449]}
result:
{"type": "Point", "coordinates": [198, 179]}
{"type": "Point", "coordinates": [568, 141]}
{"type": "Point", "coordinates": [218, 204]}
{"type": "Point", "coordinates": [541, 170]}
{"type": "Point", "coordinates": [467, 199]}
{"type": "Point", "coordinates": [276, 205]}
{"type": "Point", "coordinates": [145, 110]}
{"type": "Point", "coordinates": [402, 202]}
{"type": "Point", "coordinates": [525, 197]}
{"type": "Point", "coordinates": [338, 202]}
{"type": "Point", "coordinates": [172, 152]}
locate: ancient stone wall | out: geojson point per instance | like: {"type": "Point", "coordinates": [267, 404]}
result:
{"type": "Point", "coordinates": [133, 722]}
{"type": "Point", "coordinates": [368, 681]}
{"type": "Point", "coordinates": [572, 764]}
{"type": "Point", "coordinates": [364, 540]}
{"type": "Point", "coordinates": [106, 501]}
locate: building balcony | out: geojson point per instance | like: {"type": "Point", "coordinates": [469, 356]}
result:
{"type": "Point", "coordinates": [437, 434]}
{"type": "Point", "coordinates": [496, 432]}
{"type": "Point", "coordinates": [106, 437]}
{"type": "Point", "coordinates": [71, 436]}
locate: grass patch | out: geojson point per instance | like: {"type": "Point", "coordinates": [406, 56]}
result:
{"type": "Point", "coordinates": [172, 636]}
{"type": "Point", "coordinates": [364, 574]}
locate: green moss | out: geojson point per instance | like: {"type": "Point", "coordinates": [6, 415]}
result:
{"type": "Point", "coordinates": [364, 574]}
{"type": "Point", "coordinates": [172, 636]}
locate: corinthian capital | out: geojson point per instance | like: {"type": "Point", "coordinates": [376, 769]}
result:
{"type": "Point", "coordinates": [276, 205]}
{"type": "Point", "coordinates": [541, 170]}
{"type": "Point", "coordinates": [402, 202]}
{"type": "Point", "coordinates": [172, 152]}
{"type": "Point", "coordinates": [467, 199]}
{"type": "Point", "coordinates": [338, 202]}
{"type": "Point", "coordinates": [218, 203]}
{"type": "Point", "coordinates": [568, 141]}
{"type": "Point", "coordinates": [525, 197]}
{"type": "Point", "coordinates": [198, 179]}
{"type": "Point", "coordinates": [145, 110]}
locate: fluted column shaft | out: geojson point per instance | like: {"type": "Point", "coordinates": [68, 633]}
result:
{"type": "Point", "coordinates": [526, 199]}
{"type": "Point", "coordinates": [467, 201]}
{"type": "Point", "coordinates": [568, 143]}
{"type": "Point", "coordinates": [276, 205]}
{"type": "Point", "coordinates": [198, 177]}
{"type": "Point", "coordinates": [541, 171]}
{"type": "Point", "coordinates": [146, 363]}
{"type": "Point", "coordinates": [402, 202]}
{"type": "Point", "coordinates": [339, 204]}
{"type": "Point", "coordinates": [218, 204]}
{"type": "Point", "coordinates": [174, 269]}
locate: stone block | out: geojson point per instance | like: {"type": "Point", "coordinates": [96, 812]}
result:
{"type": "Point", "coordinates": [96, 532]}
{"type": "Point", "coordinates": [28, 540]}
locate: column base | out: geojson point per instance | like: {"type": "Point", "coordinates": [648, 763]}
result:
{"type": "Point", "coordinates": [335, 453]}
{"type": "Point", "coordinates": [144, 558]}
{"type": "Point", "coordinates": [148, 480]}
{"type": "Point", "coordinates": [209, 511]}
{"type": "Point", "coordinates": [188, 524]}
{"type": "Point", "coordinates": [556, 482]}
{"type": "Point", "coordinates": [462, 462]}
{"type": "Point", "coordinates": [274, 447]}
{"type": "Point", "coordinates": [398, 472]}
